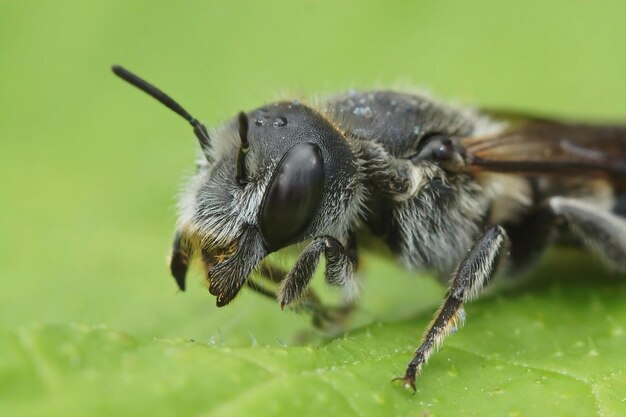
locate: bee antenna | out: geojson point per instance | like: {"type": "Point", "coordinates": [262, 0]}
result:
{"type": "Point", "coordinates": [243, 148]}
{"type": "Point", "coordinates": [198, 128]}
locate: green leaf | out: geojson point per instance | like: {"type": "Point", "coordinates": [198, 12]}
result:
{"type": "Point", "coordinates": [555, 349]}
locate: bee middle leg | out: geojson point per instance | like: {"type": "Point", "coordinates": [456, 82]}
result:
{"type": "Point", "coordinates": [472, 275]}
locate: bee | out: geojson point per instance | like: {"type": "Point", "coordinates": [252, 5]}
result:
{"type": "Point", "coordinates": [464, 193]}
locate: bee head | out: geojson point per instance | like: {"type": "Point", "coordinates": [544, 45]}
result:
{"type": "Point", "coordinates": [275, 176]}
{"type": "Point", "coordinates": [267, 179]}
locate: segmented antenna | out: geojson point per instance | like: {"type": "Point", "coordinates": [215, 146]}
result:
{"type": "Point", "coordinates": [198, 128]}
{"type": "Point", "coordinates": [243, 148]}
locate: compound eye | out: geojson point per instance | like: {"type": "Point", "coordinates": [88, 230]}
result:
{"type": "Point", "coordinates": [293, 195]}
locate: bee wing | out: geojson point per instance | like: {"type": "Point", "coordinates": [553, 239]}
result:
{"type": "Point", "coordinates": [546, 146]}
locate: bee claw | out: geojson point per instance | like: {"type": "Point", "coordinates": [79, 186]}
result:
{"type": "Point", "coordinates": [407, 382]}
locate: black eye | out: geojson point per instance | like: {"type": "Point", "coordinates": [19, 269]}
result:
{"type": "Point", "coordinates": [436, 147]}
{"type": "Point", "coordinates": [293, 195]}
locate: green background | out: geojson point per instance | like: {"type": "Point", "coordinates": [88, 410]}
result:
{"type": "Point", "coordinates": [93, 324]}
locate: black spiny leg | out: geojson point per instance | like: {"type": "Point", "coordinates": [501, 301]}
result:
{"type": "Point", "coordinates": [474, 272]}
{"type": "Point", "coordinates": [339, 270]}
{"type": "Point", "coordinates": [324, 317]}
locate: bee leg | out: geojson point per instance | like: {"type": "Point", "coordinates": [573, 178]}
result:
{"type": "Point", "coordinates": [339, 270]}
{"type": "Point", "coordinates": [277, 275]}
{"type": "Point", "coordinates": [227, 278]}
{"type": "Point", "coordinates": [472, 274]}
{"type": "Point", "coordinates": [260, 289]}
{"type": "Point", "coordinates": [598, 230]}
{"type": "Point", "coordinates": [322, 316]}
{"type": "Point", "coordinates": [179, 260]}
{"type": "Point", "coordinates": [391, 175]}
{"type": "Point", "coordinates": [330, 319]}
{"type": "Point", "coordinates": [271, 273]}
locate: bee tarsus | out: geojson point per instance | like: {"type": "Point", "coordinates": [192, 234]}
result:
{"type": "Point", "coordinates": [327, 318]}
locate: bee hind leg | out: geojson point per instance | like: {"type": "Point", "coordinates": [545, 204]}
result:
{"type": "Point", "coordinates": [597, 230]}
{"type": "Point", "coordinates": [474, 272]}
{"type": "Point", "coordinates": [600, 231]}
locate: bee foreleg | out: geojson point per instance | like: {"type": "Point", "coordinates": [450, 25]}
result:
{"type": "Point", "coordinates": [391, 175]}
{"type": "Point", "coordinates": [339, 270]}
{"type": "Point", "coordinates": [228, 277]}
{"type": "Point", "coordinates": [323, 316]}
{"type": "Point", "coordinates": [276, 275]}
{"type": "Point", "coordinates": [179, 260]}
{"type": "Point", "coordinates": [473, 273]}
{"type": "Point", "coordinates": [260, 289]}
{"type": "Point", "coordinates": [271, 273]}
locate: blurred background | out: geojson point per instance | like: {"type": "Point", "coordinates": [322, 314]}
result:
{"type": "Point", "coordinates": [91, 167]}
